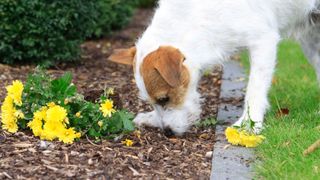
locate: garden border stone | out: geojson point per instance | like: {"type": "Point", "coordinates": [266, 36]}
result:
{"type": "Point", "coordinates": [231, 162]}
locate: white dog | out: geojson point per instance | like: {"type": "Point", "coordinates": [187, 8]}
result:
{"type": "Point", "coordinates": [186, 36]}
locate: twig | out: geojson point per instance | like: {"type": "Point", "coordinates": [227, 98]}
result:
{"type": "Point", "coordinates": [312, 148]}
{"type": "Point", "coordinates": [92, 142]}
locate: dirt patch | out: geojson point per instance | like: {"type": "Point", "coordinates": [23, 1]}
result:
{"type": "Point", "coordinates": [152, 156]}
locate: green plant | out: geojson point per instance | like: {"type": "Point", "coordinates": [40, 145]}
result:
{"type": "Point", "coordinates": [44, 31]}
{"type": "Point", "coordinates": [209, 122]}
{"type": "Point", "coordinates": [146, 3]}
{"type": "Point", "coordinates": [52, 108]}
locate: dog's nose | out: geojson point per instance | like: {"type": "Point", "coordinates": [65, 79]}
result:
{"type": "Point", "coordinates": [168, 132]}
{"type": "Point", "coordinates": [163, 101]}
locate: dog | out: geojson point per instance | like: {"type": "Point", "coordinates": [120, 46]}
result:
{"type": "Point", "coordinates": [187, 36]}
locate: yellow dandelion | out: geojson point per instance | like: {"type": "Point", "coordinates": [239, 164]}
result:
{"type": "Point", "coordinates": [56, 114]}
{"type": "Point", "coordinates": [15, 92]}
{"type": "Point", "coordinates": [78, 114]}
{"type": "Point", "coordinates": [107, 108]}
{"type": "Point", "coordinates": [243, 138]}
{"type": "Point", "coordinates": [250, 141]}
{"type": "Point", "coordinates": [8, 118]}
{"type": "Point", "coordinates": [127, 142]}
{"type": "Point", "coordinates": [100, 123]}
{"type": "Point", "coordinates": [232, 136]}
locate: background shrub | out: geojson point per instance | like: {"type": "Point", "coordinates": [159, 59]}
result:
{"type": "Point", "coordinates": [146, 3]}
{"type": "Point", "coordinates": [44, 30]}
{"type": "Point", "coordinates": [113, 15]}
{"type": "Point", "coordinates": [49, 31]}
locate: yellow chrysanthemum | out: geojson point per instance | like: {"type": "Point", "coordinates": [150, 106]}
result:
{"type": "Point", "coordinates": [68, 135]}
{"type": "Point", "coordinates": [56, 114]}
{"type": "Point", "coordinates": [15, 92]}
{"type": "Point", "coordinates": [233, 136]}
{"type": "Point", "coordinates": [51, 104]}
{"type": "Point", "coordinates": [127, 142]}
{"type": "Point", "coordinates": [19, 114]}
{"type": "Point", "coordinates": [243, 138]}
{"type": "Point", "coordinates": [52, 130]}
{"type": "Point", "coordinates": [8, 118]}
{"type": "Point", "coordinates": [78, 114]}
{"type": "Point", "coordinates": [107, 108]}
{"type": "Point", "coordinates": [100, 123]}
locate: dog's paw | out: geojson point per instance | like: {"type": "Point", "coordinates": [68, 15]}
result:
{"type": "Point", "coordinates": [148, 119]}
{"type": "Point", "coordinates": [258, 127]}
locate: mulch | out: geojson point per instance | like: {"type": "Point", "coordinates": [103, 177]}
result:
{"type": "Point", "coordinates": [153, 155]}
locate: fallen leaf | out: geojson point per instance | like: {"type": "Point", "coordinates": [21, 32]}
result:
{"type": "Point", "coordinates": [283, 112]}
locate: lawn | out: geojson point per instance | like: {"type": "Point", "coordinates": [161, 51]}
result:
{"type": "Point", "coordinates": [294, 88]}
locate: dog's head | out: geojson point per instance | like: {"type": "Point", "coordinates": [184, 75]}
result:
{"type": "Point", "coordinates": [164, 80]}
{"type": "Point", "coordinates": [164, 76]}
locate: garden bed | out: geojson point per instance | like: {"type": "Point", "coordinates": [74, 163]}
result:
{"type": "Point", "coordinates": [152, 155]}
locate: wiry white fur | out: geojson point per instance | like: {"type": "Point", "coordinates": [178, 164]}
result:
{"type": "Point", "coordinates": [208, 32]}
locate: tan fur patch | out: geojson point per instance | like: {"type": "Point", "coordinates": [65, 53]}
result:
{"type": "Point", "coordinates": [165, 76]}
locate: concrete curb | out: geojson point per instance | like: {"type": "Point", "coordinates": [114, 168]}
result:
{"type": "Point", "coordinates": [231, 162]}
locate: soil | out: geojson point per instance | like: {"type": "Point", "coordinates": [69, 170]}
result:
{"type": "Point", "coordinates": [153, 155]}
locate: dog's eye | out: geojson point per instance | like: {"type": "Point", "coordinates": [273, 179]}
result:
{"type": "Point", "coordinates": [163, 101]}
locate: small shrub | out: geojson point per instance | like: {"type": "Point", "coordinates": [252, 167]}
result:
{"type": "Point", "coordinates": [113, 15]}
{"type": "Point", "coordinates": [37, 31]}
{"type": "Point", "coordinates": [53, 109]}
{"type": "Point", "coordinates": [147, 3]}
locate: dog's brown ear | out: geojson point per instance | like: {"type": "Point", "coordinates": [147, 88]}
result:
{"type": "Point", "coordinates": [123, 56]}
{"type": "Point", "coordinates": [169, 65]}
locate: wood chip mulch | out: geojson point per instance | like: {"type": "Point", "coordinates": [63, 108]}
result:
{"type": "Point", "coordinates": [153, 155]}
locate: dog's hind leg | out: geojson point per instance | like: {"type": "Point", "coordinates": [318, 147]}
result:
{"type": "Point", "coordinates": [263, 53]}
{"type": "Point", "coordinates": [310, 43]}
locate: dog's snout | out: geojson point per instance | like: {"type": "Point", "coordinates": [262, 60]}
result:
{"type": "Point", "coordinates": [163, 101]}
{"type": "Point", "coordinates": [168, 132]}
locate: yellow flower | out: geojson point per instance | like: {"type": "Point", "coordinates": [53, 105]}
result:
{"type": "Point", "coordinates": [51, 130]}
{"type": "Point", "coordinates": [110, 91]}
{"type": "Point", "coordinates": [66, 101]}
{"type": "Point", "coordinates": [78, 114]}
{"type": "Point", "coordinates": [137, 133]}
{"type": "Point", "coordinates": [56, 114]}
{"type": "Point", "coordinates": [36, 124]}
{"type": "Point", "coordinates": [51, 104]}
{"type": "Point", "coordinates": [250, 140]}
{"type": "Point", "coordinates": [8, 118]}
{"type": "Point", "coordinates": [68, 135]}
{"type": "Point", "coordinates": [127, 142]}
{"type": "Point", "coordinates": [19, 114]}
{"type": "Point", "coordinates": [15, 92]}
{"type": "Point", "coordinates": [100, 123]}
{"type": "Point", "coordinates": [107, 108]}
{"type": "Point", "coordinates": [243, 138]}
{"type": "Point", "coordinates": [233, 136]}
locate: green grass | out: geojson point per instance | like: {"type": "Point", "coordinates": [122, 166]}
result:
{"type": "Point", "coordinates": [295, 87]}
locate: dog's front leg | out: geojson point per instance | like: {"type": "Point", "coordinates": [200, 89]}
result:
{"type": "Point", "coordinates": [149, 119]}
{"type": "Point", "coordinates": [263, 59]}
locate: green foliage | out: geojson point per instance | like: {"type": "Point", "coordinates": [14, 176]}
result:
{"type": "Point", "coordinates": [47, 31]}
{"type": "Point", "coordinates": [209, 122]}
{"type": "Point", "coordinates": [146, 3]}
{"type": "Point", "coordinates": [86, 117]}
{"type": "Point", "coordinates": [113, 15]}
{"type": "Point", "coordinates": [44, 31]}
